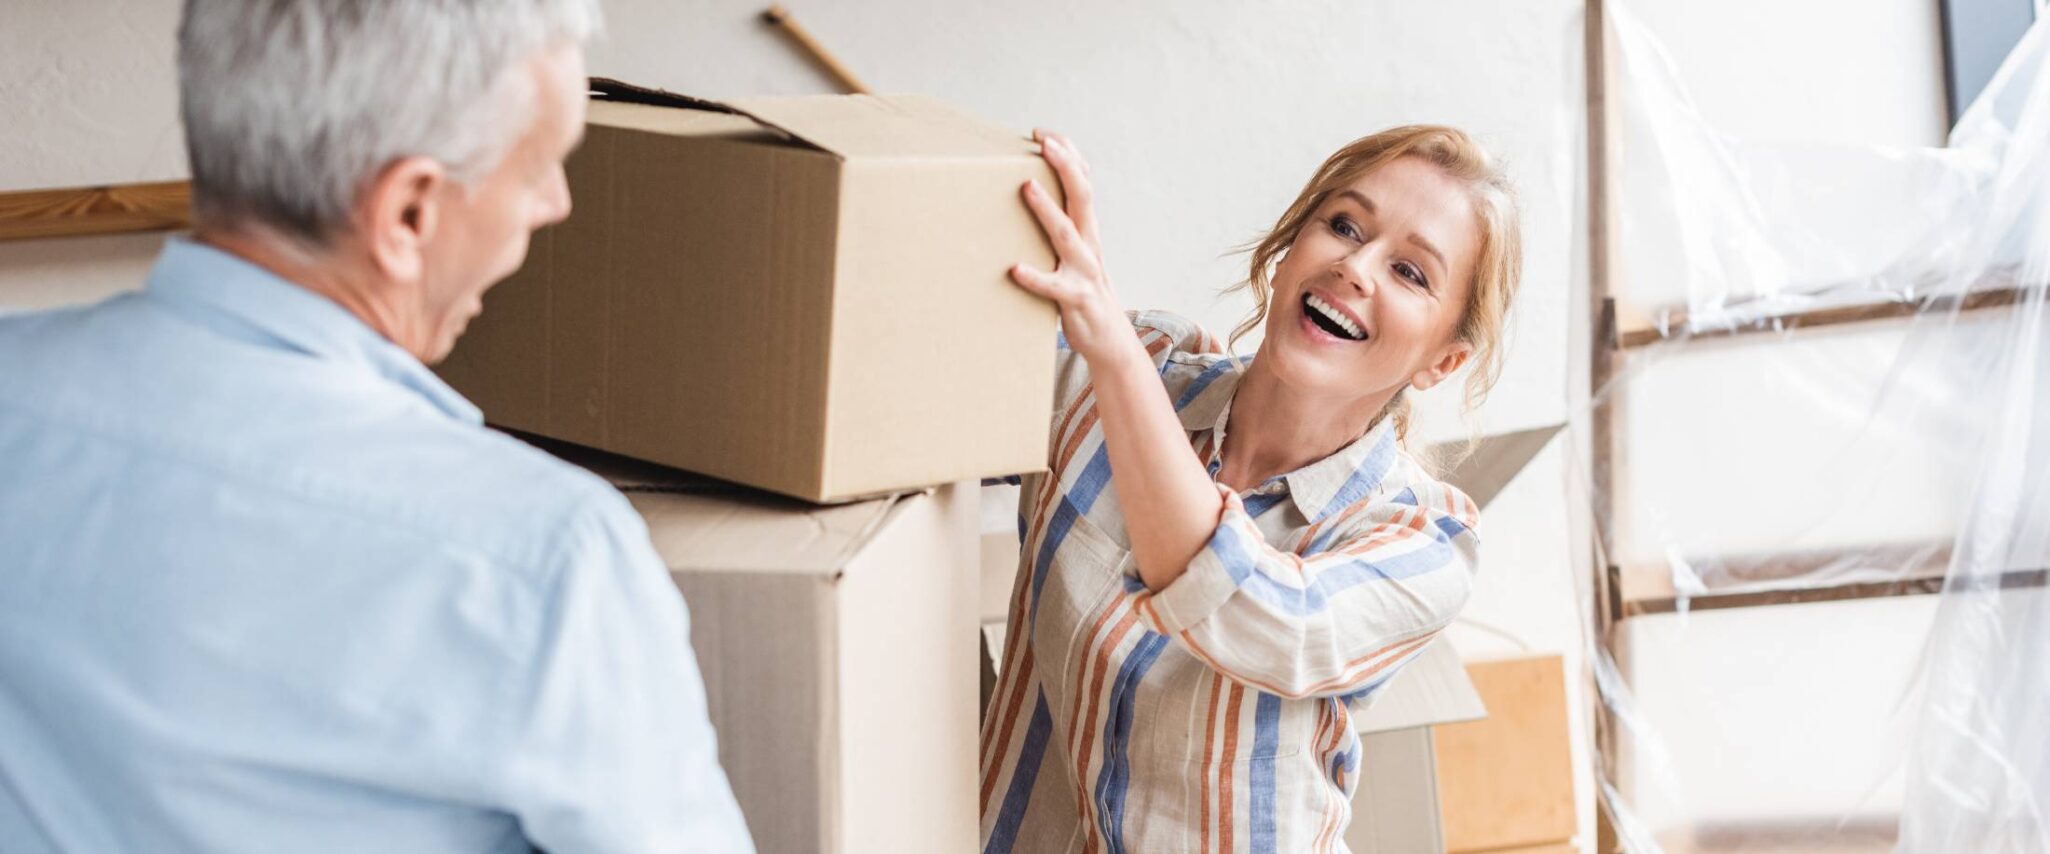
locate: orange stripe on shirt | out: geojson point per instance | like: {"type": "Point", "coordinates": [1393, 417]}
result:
{"type": "Point", "coordinates": [1335, 812]}
{"type": "Point", "coordinates": [1087, 732]}
{"type": "Point", "coordinates": [1006, 674]}
{"type": "Point", "coordinates": [1345, 675]}
{"type": "Point", "coordinates": [1225, 795]}
{"type": "Point", "coordinates": [1209, 749]}
{"type": "Point", "coordinates": [1023, 670]}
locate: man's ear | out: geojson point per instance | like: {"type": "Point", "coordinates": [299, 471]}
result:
{"type": "Point", "coordinates": [398, 213]}
{"type": "Point", "coordinates": [1449, 360]}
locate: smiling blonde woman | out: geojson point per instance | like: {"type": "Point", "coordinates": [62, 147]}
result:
{"type": "Point", "coordinates": [1229, 558]}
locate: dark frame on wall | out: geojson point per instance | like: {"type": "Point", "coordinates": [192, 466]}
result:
{"type": "Point", "coordinates": [1977, 36]}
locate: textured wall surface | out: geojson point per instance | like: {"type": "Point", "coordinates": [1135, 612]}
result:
{"type": "Point", "coordinates": [1202, 119]}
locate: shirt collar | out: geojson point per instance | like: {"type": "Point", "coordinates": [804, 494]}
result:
{"type": "Point", "coordinates": [1342, 479]}
{"type": "Point", "coordinates": [237, 298]}
{"type": "Point", "coordinates": [1319, 489]}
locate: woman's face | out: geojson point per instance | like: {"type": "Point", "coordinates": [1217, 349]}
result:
{"type": "Point", "coordinates": [1368, 296]}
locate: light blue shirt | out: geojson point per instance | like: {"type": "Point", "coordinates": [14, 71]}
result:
{"type": "Point", "coordinates": [267, 584]}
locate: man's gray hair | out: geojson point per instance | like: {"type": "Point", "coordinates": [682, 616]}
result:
{"type": "Point", "coordinates": [292, 106]}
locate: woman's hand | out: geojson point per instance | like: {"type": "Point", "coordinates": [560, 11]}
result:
{"type": "Point", "coordinates": [1096, 327]}
{"type": "Point", "coordinates": [1171, 508]}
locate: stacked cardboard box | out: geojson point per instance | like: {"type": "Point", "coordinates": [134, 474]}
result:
{"type": "Point", "coordinates": [832, 640]}
{"type": "Point", "coordinates": [807, 295]}
{"type": "Point", "coordinates": [1506, 783]}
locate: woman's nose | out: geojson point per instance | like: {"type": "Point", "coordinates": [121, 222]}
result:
{"type": "Point", "coordinates": [1357, 269]}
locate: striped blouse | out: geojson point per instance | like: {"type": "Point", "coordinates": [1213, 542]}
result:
{"type": "Point", "coordinates": [1216, 714]}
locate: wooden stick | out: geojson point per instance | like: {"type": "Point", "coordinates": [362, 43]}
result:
{"type": "Point", "coordinates": [1645, 333]}
{"type": "Point", "coordinates": [779, 17]}
{"type": "Point", "coordinates": [1604, 261]}
{"type": "Point", "coordinates": [95, 210]}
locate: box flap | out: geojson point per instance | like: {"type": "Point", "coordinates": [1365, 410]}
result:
{"type": "Point", "coordinates": [1495, 461]}
{"type": "Point", "coordinates": [696, 532]}
{"type": "Point", "coordinates": [619, 104]}
{"type": "Point", "coordinates": [608, 89]}
{"type": "Point", "coordinates": [1433, 689]}
{"type": "Point", "coordinates": [885, 126]}
{"type": "Point", "coordinates": [701, 524]}
{"type": "Point", "coordinates": [674, 122]}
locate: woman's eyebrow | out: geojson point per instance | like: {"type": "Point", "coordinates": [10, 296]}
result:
{"type": "Point", "coordinates": [1419, 240]}
{"type": "Point", "coordinates": [1359, 197]}
{"type": "Point", "coordinates": [1422, 243]}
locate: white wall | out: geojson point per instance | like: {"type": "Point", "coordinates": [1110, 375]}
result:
{"type": "Point", "coordinates": [1201, 118]}
{"type": "Point", "coordinates": [89, 96]}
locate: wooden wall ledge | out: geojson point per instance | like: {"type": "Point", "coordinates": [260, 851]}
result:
{"type": "Point", "coordinates": [1877, 571]}
{"type": "Point", "coordinates": [95, 210]}
{"type": "Point", "coordinates": [1637, 329]}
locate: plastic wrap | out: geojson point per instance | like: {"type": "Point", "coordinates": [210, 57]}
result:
{"type": "Point", "coordinates": [1821, 469]}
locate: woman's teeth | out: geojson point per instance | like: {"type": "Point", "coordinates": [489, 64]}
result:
{"type": "Point", "coordinates": [1332, 320]}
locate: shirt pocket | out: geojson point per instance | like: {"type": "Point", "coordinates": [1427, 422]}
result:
{"type": "Point", "coordinates": [1086, 575]}
{"type": "Point", "coordinates": [1190, 728]}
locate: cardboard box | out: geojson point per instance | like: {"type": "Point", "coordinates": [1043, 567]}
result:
{"type": "Point", "coordinates": [1507, 782]}
{"type": "Point", "coordinates": [807, 295]}
{"type": "Point", "coordinates": [830, 642]}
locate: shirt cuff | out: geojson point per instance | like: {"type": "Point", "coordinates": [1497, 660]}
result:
{"type": "Point", "coordinates": [1213, 575]}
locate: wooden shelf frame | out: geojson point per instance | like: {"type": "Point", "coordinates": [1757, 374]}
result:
{"type": "Point", "coordinates": [104, 209]}
{"type": "Point", "coordinates": [1672, 323]}
{"type": "Point", "coordinates": [1751, 581]}
{"type": "Point", "coordinates": [1620, 593]}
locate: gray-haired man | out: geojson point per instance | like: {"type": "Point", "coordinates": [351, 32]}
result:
{"type": "Point", "coordinates": [265, 583]}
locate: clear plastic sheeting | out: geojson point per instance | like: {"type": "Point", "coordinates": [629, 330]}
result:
{"type": "Point", "coordinates": [1740, 229]}
{"type": "Point", "coordinates": [1823, 479]}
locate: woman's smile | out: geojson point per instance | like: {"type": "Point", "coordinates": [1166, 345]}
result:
{"type": "Point", "coordinates": [1327, 321]}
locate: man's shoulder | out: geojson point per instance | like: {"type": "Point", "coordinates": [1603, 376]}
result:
{"type": "Point", "coordinates": [486, 490]}
{"type": "Point", "coordinates": [322, 442]}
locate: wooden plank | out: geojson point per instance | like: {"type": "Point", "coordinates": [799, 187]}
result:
{"type": "Point", "coordinates": [1506, 781]}
{"type": "Point", "coordinates": [95, 210]}
{"type": "Point", "coordinates": [780, 18]}
{"type": "Point", "coordinates": [1760, 580]}
{"type": "Point", "coordinates": [1604, 262]}
{"type": "Point", "coordinates": [1673, 322]}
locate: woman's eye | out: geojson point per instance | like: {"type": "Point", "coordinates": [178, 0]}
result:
{"type": "Point", "coordinates": [1343, 227]}
{"type": "Point", "coordinates": [1409, 271]}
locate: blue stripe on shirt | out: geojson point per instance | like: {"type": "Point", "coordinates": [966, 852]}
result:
{"type": "Point", "coordinates": [1012, 814]}
{"type": "Point", "coordinates": [1259, 504]}
{"type": "Point", "coordinates": [1074, 503]}
{"type": "Point", "coordinates": [1266, 736]}
{"type": "Point", "coordinates": [1202, 381]}
{"type": "Point", "coordinates": [1241, 562]}
{"type": "Point", "coordinates": [1113, 781]}
{"type": "Point", "coordinates": [1363, 479]}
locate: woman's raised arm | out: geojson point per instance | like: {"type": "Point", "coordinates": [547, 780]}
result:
{"type": "Point", "coordinates": [1171, 507]}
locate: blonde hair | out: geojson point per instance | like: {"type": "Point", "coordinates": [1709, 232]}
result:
{"type": "Point", "coordinates": [1496, 271]}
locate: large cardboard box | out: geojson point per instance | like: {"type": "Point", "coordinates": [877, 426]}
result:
{"type": "Point", "coordinates": [806, 295]}
{"type": "Point", "coordinates": [1506, 783]}
{"type": "Point", "coordinates": [831, 644]}
{"type": "Point", "coordinates": [1395, 810]}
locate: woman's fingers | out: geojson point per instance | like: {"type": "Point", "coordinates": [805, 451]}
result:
{"type": "Point", "coordinates": [1081, 194]}
{"type": "Point", "coordinates": [1040, 282]}
{"type": "Point", "coordinates": [1068, 243]}
{"type": "Point", "coordinates": [1077, 152]}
